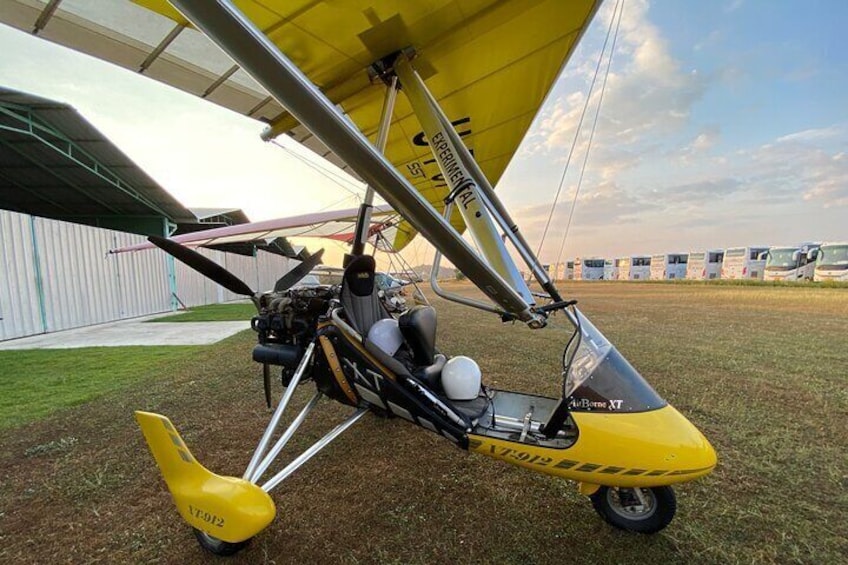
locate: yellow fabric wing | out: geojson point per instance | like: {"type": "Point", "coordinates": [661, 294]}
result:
{"type": "Point", "coordinates": [489, 63]}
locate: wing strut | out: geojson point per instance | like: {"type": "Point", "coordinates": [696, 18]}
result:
{"type": "Point", "coordinates": [255, 53]}
{"type": "Point", "coordinates": [363, 221]}
{"type": "Point", "coordinates": [413, 83]}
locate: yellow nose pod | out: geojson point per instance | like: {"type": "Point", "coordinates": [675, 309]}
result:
{"type": "Point", "coordinates": [228, 508]}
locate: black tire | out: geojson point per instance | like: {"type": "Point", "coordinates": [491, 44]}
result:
{"type": "Point", "coordinates": [219, 547]}
{"type": "Point", "coordinates": [622, 508]}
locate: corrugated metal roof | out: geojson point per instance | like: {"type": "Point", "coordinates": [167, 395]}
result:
{"type": "Point", "coordinates": [54, 163]}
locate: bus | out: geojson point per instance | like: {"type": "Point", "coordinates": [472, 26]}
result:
{"type": "Point", "coordinates": [611, 269]}
{"type": "Point", "coordinates": [705, 264]}
{"type": "Point", "coordinates": [832, 262]}
{"type": "Point", "coordinates": [591, 269]}
{"type": "Point", "coordinates": [744, 263]}
{"type": "Point", "coordinates": [791, 263]}
{"type": "Point", "coordinates": [569, 270]}
{"type": "Point", "coordinates": [668, 266]}
{"type": "Point", "coordinates": [635, 268]}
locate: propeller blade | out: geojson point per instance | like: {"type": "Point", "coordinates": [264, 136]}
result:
{"type": "Point", "coordinates": [266, 380]}
{"type": "Point", "coordinates": [202, 265]}
{"type": "Point", "coordinates": [293, 277]}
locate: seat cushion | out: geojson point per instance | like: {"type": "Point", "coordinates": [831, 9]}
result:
{"type": "Point", "coordinates": [359, 298]}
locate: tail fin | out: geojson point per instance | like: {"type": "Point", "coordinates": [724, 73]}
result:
{"type": "Point", "coordinates": [228, 508]}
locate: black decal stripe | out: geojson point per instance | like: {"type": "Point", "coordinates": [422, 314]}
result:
{"type": "Point", "coordinates": [587, 467]}
{"type": "Point", "coordinates": [566, 464]}
{"type": "Point", "coordinates": [612, 470]}
{"type": "Point", "coordinates": [658, 472]}
{"type": "Point", "coordinates": [636, 471]}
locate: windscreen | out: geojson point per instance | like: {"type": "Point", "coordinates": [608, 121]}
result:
{"type": "Point", "coordinates": [833, 256]}
{"type": "Point", "coordinates": [599, 378]}
{"type": "Point", "coordinates": [781, 259]}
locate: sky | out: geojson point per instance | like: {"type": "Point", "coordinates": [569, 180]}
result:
{"type": "Point", "coordinates": [721, 124]}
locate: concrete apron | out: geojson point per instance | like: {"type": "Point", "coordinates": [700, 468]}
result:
{"type": "Point", "coordinates": [131, 332]}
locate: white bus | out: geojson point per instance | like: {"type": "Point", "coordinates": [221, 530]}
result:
{"type": "Point", "coordinates": [832, 262]}
{"type": "Point", "coordinates": [611, 269]}
{"type": "Point", "coordinates": [569, 270]}
{"type": "Point", "coordinates": [591, 269]}
{"type": "Point", "coordinates": [705, 264]}
{"type": "Point", "coordinates": [669, 266]}
{"type": "Point", "coordinates": [744, 263]}
{"type": "Point", "coordinates": [791, 263]}
{"type": "Point", "coordinates": [635, 268]}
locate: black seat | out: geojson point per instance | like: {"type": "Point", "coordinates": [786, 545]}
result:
{"type": "Point", "coordinates": [358, 296]}
{"type": "Point", "coordinates": [363, 308]}
{"type": "Point", "coordinates": [418, 326]}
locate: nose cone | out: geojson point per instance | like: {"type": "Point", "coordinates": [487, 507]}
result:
{"type": "Point", "coordinates": [653, 448]}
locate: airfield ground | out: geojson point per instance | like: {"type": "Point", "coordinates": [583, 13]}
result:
{"type": "Point", "coordinates": [761, 370]}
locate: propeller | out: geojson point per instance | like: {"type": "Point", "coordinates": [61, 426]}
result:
{"type": "Point", "coordinates": [223, 277]}
{"type": "Point", "coordinates": [202, 265]}
{"type": "Point", "coordinates": [293, 277]}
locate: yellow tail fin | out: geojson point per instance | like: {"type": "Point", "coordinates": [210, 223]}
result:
{"type": "Point", "coordinates": [228, 508]}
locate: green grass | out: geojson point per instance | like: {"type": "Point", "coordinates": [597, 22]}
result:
{"type": "Point", "coordinates": [37, 382]}
{"type": "Point", "coordinates": [760, 370]}
{"type": "Point", "coordinates": [213, 313]}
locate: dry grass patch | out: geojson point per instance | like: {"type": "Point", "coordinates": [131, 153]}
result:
{"type": "Point", "coordinates": [761, 370]}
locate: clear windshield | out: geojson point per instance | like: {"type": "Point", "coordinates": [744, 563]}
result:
{"type": "Point", "coordinates": [600, 378]}
{"type": "Point", "coordinates": [833, 255]}
{"type": "Point", "coordinates": [781, 258]}
{"type": "Point", "coordinates": [592, 347]}
{"type": "Point", "coordinates": [595, 263]}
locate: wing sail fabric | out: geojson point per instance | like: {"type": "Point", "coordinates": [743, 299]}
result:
{"type": "Point", "coordinates": [337, 224]}
{"type": "Point", "coordinates": [489, 63]}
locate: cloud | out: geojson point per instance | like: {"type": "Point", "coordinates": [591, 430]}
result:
{"type": "Point", "coordinates": [647, 92]}
{"type": "Point", "coordinates": [700, 192]}
{"type": "Point", "coordinates": [811, 135]}
{"type": "Point", "coordinates": [700, 145]}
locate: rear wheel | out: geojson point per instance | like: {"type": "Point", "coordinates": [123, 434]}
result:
{"type": "Point", "coordinates": [642, 510]}
{"type": "Point", "coordinates": [217, 546]}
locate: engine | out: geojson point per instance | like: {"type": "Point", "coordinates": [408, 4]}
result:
{"type": "Point", "coordinates": [286, 322]}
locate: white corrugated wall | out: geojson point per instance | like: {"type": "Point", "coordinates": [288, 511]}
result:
{"type": "Point", "coordinates": [56, 275]}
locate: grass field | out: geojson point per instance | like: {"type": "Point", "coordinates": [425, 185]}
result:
{"type": "Point", "coordinates": [761, 370]}
{"type": "Point", "coordinates": [213, 313]}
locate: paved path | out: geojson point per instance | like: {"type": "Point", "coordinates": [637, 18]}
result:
{"type": "Point", "coordinates": [131, 332]}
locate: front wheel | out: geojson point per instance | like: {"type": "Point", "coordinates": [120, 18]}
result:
{"type": "Point", "coordinates": [647, 511]}
{"type": "Point", "coordinates": [217, 546]}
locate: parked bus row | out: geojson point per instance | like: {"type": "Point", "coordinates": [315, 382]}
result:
{"type": "Point", "coordinates": [805, 262]}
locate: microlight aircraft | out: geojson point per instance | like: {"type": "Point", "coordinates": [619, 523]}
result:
{"type": "Point", "coordinates": [473, 76]}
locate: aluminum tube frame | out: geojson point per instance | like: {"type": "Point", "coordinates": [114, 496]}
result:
{"type": "Point", "coordinates": [278, 413]}
{"type": "Point", "coordinates": [487, 192]}
{"type": "Point", "coordinates": [258, 56]}
{"type": "Point", "coordinates": [363, 221]}
{"type": "Point", "coordinates": [315, 448]}
{"type": "Point", "coordinates": [284, 439]}
{"type": "Point", "coordinates": [462, 184]}
{"type": "Point", "coordinates": [434, 284]}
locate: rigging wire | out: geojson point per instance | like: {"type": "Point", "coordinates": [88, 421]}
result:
{"type": "Point", "coordinates": [591, 133]}
{"type": "Point", "coordinates": [577, 132]}
{"type": "Point", "coordinates": [327, 173]}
